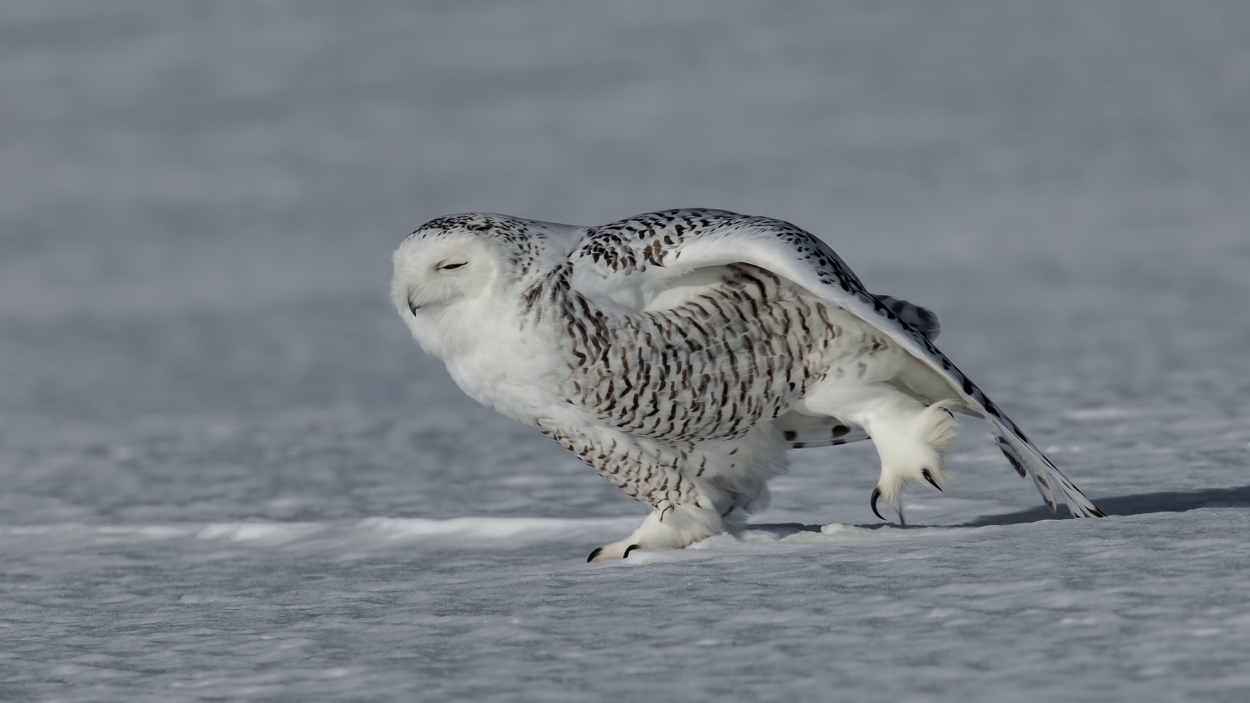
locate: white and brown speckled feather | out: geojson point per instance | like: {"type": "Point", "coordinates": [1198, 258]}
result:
{"type": "Point", "coordinates": [710, 368]}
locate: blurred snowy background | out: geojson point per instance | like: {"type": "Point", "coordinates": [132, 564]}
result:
{"type": "Point", "coordinates": [226, 472]}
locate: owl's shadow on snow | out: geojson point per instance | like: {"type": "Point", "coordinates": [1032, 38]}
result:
{"type": "Point", "coordinates": [1136, 504]}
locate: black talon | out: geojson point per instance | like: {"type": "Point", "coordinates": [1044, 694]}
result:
{"type": "Point", "coordinates": [594, 554]}
{"type": "Point", "coordinates": [876, 493]}
{"type": "Point", "coordinates": [929, 477]}
{"type": "Point", "coordinates": [629, 549]}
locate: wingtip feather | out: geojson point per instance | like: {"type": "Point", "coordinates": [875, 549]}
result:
{"type": "Point", "coordinates": [1028, 461]}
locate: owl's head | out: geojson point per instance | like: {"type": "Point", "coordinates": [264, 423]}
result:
{"type": "Point", "coordinates": [439, 267]}
{"type": "Point", "coordinates": [451, 271]}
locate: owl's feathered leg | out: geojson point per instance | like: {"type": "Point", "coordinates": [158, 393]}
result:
{"type": "Point", "coordinates": [910, 437]}
{"type": "Point", "coordinates": [669, 525]}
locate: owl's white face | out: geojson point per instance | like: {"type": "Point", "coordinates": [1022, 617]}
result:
{"type": "Point", "coordinates": [440, 282]}
{"type": "Point", "coordinates": [438, 271]}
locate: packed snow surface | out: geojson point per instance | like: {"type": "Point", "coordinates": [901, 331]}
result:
{"type": "Point", "coordinates": [227, 473]}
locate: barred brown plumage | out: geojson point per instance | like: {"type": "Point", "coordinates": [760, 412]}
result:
{"type": "Point", "coordinates": [725, 330]}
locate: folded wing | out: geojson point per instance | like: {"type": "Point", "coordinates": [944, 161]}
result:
{"type": "Point", "coordinates": [641, 261]}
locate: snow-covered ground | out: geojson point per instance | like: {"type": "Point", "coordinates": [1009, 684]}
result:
{"type": "Point", "coordinates": [227, 473]}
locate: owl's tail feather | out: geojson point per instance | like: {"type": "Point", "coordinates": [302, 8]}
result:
{"type": "Point", "coordinates": [1028, 461]}
{"type": "Point", "coordinates": [923, 320]}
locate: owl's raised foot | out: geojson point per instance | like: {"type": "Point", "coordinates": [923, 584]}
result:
{"type": "Point", "coordinates": [876, 495]}
{"type": "Point", "coordinates": [910, 438]}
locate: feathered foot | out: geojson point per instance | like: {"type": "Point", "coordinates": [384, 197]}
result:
{"type": "Point", "coordinates": [669, 525]}
{"type": "Point", "coordinates": [611, 551]}
{"type": "Point", "coordinates": [910, 439]}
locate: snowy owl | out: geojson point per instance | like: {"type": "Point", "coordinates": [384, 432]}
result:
{"type": "Point", "coordinates": [680, 354]}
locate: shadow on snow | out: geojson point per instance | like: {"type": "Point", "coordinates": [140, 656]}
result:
{"type": "Point", "coordinates": [1138, 504]}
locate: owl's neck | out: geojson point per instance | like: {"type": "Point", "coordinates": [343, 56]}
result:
{"type": "Point", "coordinates": [454, 330]}
{"type": "Point", "coordinates": [496, 357]}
